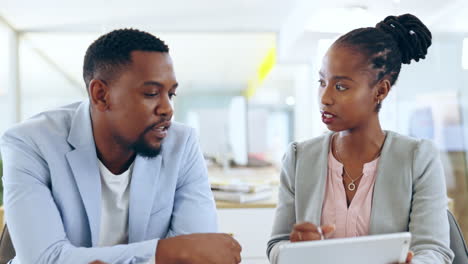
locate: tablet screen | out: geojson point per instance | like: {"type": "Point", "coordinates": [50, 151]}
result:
{"type": "Point", "coordinates": [388, 248]}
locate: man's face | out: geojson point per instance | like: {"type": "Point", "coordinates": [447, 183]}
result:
{"type": "Point", "coordinates": [140, 102]}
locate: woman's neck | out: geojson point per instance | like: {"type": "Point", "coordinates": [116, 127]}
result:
{"type": "Point", "coordinates": [360, 144]}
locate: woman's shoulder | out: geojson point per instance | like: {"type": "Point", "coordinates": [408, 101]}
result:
{"type": "Point", "coordinates": [400, 150]}
{"type": "Point", "coordinates": [316, 143]}
{"type": "Point", "coordinates": [311, 149]}
{"type": "Point", "coordinates": [408, 144]}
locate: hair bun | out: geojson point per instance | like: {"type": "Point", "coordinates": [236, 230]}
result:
{"type": "Point", "coordinates": [412, 36]}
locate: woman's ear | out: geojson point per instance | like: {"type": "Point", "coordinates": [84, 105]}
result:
{"type": "Point", "coordinates": [382, 89]}
{"type": "Point", "coordinates": [99, 95]}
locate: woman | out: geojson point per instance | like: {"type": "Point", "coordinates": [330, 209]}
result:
{"type": "Point", "coordinates": [359, 179]}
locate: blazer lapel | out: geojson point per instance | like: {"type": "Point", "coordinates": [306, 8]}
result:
{"type": "Point", "coordinates": [383, 200]}
{"type": "Point", "coordinates": [143, 187]}
{"type": "Point", "coordinates": [322, 171]}
{"type": "Point", "coordinates": [322, 180]}
{"type": "Point", "coordinates": [312, 169]}
{"type": "Point", "coordinates": [84, 165]}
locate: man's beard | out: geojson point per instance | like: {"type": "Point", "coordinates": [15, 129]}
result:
{"type": "Point", "coordinates": [142, 148]}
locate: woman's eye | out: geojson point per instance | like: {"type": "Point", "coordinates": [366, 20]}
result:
{"type": "Point", "coordinates": [340, 87]}
{"type": "Point", "coordinates": [321, 83]}
{"type": "Point", "coordinates": [151, 94]}
{"type": "Point", "coordinates": [172, 95]}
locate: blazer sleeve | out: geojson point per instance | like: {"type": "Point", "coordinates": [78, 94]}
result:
{"type": "Point", "coordinates": [34, 221]}
{"type": "Point", "coordinates": [194, 207]}
{"type": "Point", "coordinates": [285, 215]}
{"type": "Point", "coordinates": [428, 218]}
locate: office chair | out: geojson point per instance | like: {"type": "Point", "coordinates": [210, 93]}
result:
{"type": "Point", "coordinates": [457, 242]}
{"type": "Point", "coordinates": [7, 252]}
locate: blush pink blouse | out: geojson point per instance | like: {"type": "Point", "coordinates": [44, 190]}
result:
{"type": "Point", "coordinates": [354, 220]}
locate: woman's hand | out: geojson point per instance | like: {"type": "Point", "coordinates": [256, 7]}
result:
{"type": "Point", "coordinates": [409, 257]}
{"type": "Point", "coordinates": [307, 231]}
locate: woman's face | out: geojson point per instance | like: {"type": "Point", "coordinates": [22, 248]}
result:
{"type": "Point", "coordinates": [347, 100]}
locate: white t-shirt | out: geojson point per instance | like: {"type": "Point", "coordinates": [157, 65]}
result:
{"type": "Point", "coordinates": [115, 191]}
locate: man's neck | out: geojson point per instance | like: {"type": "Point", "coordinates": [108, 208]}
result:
{"type": "Point", "coordinates": [113, 155]}
{"type": "Point", "coordinates": [116, 165]}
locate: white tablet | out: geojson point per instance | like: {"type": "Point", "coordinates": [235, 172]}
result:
{"type": "Point", "coordinates": [376, 249]}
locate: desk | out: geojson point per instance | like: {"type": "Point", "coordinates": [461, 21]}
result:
{"type": "Point", "coordinates": [271, 203]}
{"type": "Point", "coordinates": [251, 227]}
{"type": "Point", "coordinates": [250, 223]}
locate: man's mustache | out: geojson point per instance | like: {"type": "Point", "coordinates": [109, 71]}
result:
{"type": "Point", "coordinates": [162, 122]}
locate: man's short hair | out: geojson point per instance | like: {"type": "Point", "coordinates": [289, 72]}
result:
{"type": "Point", "coordinates": [107, 55]}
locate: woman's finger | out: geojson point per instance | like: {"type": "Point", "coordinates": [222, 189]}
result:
{"type": "Point", "coordinates": [305, 227]}
{"type": "Point", "coordinates": [309, 236]}
{"type": "Point", "coordinates": [294, 236]}
{"type": "Point", "coordinates": [328, 230]}
{"type": "Point", "coordinates": [409, 257]}
{"type": "Point", "coordinates": [307, 231]}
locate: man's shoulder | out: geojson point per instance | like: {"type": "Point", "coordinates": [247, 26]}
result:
{"type": "Point", "coordinates": [179, 132]}
{"type": "Point", "coordinates": [180, 129]}
{"type": "Point", "coordinates": [54, 124]}
{"type": "Point", "coordinates": [179, 139]}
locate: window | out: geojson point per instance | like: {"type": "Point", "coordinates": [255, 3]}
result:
{"type": "Point", "coordinates": [6, 78]}
{"type": "Point", "coordinates": [465, 54]}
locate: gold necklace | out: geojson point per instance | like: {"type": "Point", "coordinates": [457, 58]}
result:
{"type": "Point", "coordinates": [351, 186]}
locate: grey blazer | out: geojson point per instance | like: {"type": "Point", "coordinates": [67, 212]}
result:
{"type": "Point", "coordinates": [409, 194]}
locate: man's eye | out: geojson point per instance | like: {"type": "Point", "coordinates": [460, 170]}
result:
{"type": "Point", "coordinates": [321, 83]}
{"type": "Point", "coordinates": [340, 87]}
{"type": "Point", "coordinates": [172, 95]}
{"type": "Point", "coordinates": [151, 94]}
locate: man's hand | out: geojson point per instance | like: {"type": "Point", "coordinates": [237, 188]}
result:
{"type": "Point", "coordinates": [199, 249]}
{"type": "Point", "coordinates": [307, 231]}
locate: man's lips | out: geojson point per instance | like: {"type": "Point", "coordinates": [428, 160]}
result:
{"type": "Point", "coordinates": [160, 130]}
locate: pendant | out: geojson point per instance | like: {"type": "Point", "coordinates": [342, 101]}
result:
{"type": "Point", "coordinates": [351, 186]}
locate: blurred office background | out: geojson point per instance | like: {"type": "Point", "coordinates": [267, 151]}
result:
{"type": "Point", "coordinates": [247, 71]}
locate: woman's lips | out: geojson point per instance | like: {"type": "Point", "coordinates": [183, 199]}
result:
{"type": "Point", "coordinates": [328, 117]}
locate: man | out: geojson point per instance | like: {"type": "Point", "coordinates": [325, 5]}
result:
{"type": "Point", "coordinates": [112, 178]}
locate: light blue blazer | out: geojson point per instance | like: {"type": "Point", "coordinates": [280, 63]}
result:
{"type": "Point", "coordinates": [409, 194]}
{"type": "Point", "coordinates": [52, 191]}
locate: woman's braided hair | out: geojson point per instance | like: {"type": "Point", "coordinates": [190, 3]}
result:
{"type": "Point", "coordinates": [393, 41]}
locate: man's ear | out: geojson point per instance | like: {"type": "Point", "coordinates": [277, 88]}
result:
{"type": "Point", "coordinates": [99, 95]}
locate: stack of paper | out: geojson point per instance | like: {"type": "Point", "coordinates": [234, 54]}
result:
{"type": "Point", "coordinates": [239, 191]}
